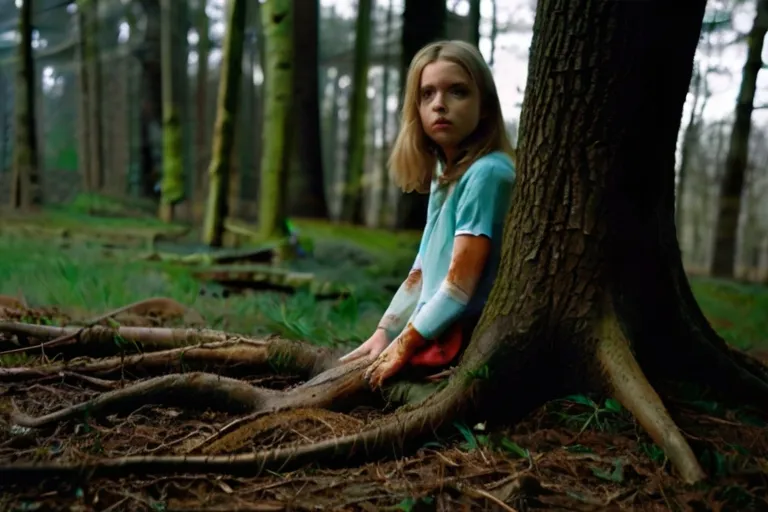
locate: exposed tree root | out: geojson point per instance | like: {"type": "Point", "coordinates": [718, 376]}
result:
{"type": "Point", "coordinates": [327, 390]}
{"type": "Point", "coordinates": [627, 383]}
{"type": "Point", "coordinates": [405, 424]}
{"type": "Point", "coordinates": [254, 356]}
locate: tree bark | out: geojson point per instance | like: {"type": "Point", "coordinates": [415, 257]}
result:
{"type": "Point", "coordinates": [277, 22]}
{"type": "Point", "coordinates": [149, 55]}
{"type": "Point", "coordinates": [306, 197]}
{"type": "Point", "coordinates": [384, 183]}
{"type": "Point", "coordinates": [226, 115]}
{"type": "Point", "coordinates": [352, 197]}
{"type": "Point", "coordinates": [474, 22]}
{"type": "Point", "coordinates": [95, 124]}
{"type": "Point", "coordinates": [729, 206]}
{"type": "Point", "coordinates": [423, 22]}
{"type": "Point", "coordinates": [173, 48]}
{"type": "Point", "coordinates": [4, 119]}
{"type": "Point", "coordinates": [202, 149]}
{"type": "Point", "coordinates": [25, 184]}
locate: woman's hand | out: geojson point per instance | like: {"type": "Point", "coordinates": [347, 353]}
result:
{"type": "Point", "coordinates": [372, 347]}
{"type": "Point", "coordinates": [395, 357]}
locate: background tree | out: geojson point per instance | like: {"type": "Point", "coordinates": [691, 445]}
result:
{"type": "Point", "coordinates": [352, 199]}
{"type": "Point", "coordinates": [277, 21]}
{"type": "Point", "coordinates": [223, 135]}
{"type": "Point", "coordinates": [174, 73]}
{"type": "Point", "coordinates": [306, 183]}
{"type": "Point", "coordinates": [424, 21]}
{"type": "Point", "coordinates": [731, 188]}
{"type": "Point", "coordinates": [25, 186]}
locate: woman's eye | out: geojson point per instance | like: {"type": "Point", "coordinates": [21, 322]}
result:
{"type": "Point", "coordinates": [459, 92]}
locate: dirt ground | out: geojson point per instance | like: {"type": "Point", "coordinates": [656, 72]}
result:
{"type": "Point", "coordinates": [561, 457]}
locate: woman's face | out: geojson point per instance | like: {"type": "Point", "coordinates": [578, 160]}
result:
{"type": "Point", "coordinates": [449, 105]}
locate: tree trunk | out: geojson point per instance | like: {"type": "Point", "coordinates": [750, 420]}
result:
{"type": "Point", "coordinates": [25, 184]}
{"type": "Point", "coordinates": [306, 197]}
{"type": "Point", "coordinates": [690, 143]}
{"type": "Point", "coordinates": [727, 223]}
{"type": "Point", "coordinates": [202, 147]}
{"type": "Point", "coordinates": [423, 22]}
{"type": "Point", "coordinates": [277, 21]}
{"type": "Point", "coordinates": [3, 121]}
{"type": "Point", "coordinates": [474, 22]}
{"type": "Point", "coordinates": [226, 116]}
{"type": "Point", "coordinates": [352, 197]}
{"type": "Point", "coordinates": [84, 140]}
{"type": "Point", "coordinates": [494, 31]}
{"type": "Point", "coordinates": [172, 50]}
{"type": "Point", "coordinates": [384, 184]}
{"type": "Point", "coordinates": [94, 97]}
{"type": "Point", "coordinates": [150, 130]}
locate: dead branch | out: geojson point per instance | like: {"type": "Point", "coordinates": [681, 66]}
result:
{"type": "Point", "coordinates": [145, 338]}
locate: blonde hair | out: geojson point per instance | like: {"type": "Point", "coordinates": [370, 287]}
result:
{"type": "Point", "coordinates": [414, 156]}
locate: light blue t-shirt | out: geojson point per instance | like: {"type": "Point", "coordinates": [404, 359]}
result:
{"type": "Point", "coordinates": [476, 204]}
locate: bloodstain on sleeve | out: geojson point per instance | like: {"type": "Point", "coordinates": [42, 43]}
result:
{"type": "Point", "coordinates": [467, 262]}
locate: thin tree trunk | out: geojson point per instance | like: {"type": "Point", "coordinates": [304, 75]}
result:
{"type": "Point", "coordinates": [384, 209]}
{"type": "Point", "coordinates": [3, 121]}
{"type": "Point", "coordinates": [226, 117]}
{"type": "Point", "coordinates": [474, 19]}
{"type": "Point", "coordinates": [494, 31]}
{"type": "Point", "coordinates": [729, 205]}
{"type": "Point", "coordinates": [352, 198]}
{"type": "Point", "coordinates": [93, 62]}
{"type": "Point", "coordinates": [306, 189]}
{"type": "Point", "coordinates": [202, 146]}
{"type": "Point", "coordinates": [423, 22]}
{"type": "Point", "coordinates": [84, 156]}
{"type": "Point", "coordinates": [152, 99]}
{"type": "Point", "coordinates": [277, 21]}
{"type": "Point", "coordinates": [172, 184]}
{"type": "Point", "coordinates": [25, 184]}
{"type": "Point", "coordinates": [690, 144]}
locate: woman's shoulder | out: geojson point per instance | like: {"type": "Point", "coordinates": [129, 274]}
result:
{"type": "Point", "coordinates": [493, 167]}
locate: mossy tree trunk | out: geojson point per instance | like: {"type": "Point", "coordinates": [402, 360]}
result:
{"type": "Point", "coordinates": [173, 45]}
{"type": "Point", "coordinates": [352, 196]}
{"type": "Point", "coordinates": [277, 25]}
{"type": "Point", "coordinates": [729, 206]}
{"type": "Point", "coordinates": [202, 143]}
{"type": "Point", "coordinates": [226, 116]}
{"type": "Point", "coordinates": [424, 21]}
{"type": "Point", "coordinates": [25, 185]}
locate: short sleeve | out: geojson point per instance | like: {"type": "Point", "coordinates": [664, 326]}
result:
{"type": "Point", "coordinates": [484, 199]}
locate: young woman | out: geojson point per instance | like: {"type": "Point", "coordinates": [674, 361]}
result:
{"type": "Point", "coordinates": [452, 143]}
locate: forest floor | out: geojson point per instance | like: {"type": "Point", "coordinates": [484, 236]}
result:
{"type": "Point", "coordinates": [571, 454]}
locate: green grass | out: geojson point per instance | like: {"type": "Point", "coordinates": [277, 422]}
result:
{"type": "Point", "coordinates": [738, 311]}
{"type": "Point", "coordinates": [91, 280]}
